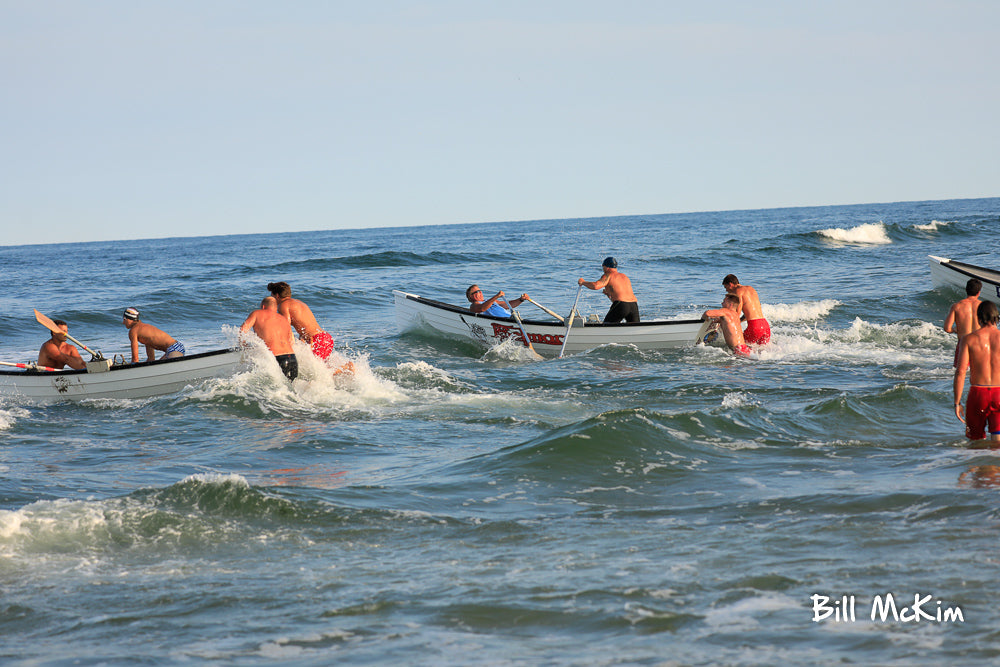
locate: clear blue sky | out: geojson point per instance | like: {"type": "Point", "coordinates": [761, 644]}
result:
{"type": "Point", "coordinates": [124, 119]}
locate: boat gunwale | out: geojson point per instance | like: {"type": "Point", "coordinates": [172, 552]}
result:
{"type": "Point", "coordinates": [972, 270]}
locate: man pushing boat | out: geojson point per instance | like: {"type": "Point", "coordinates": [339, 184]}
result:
{"type": "Point", "coordinates": [758, 331]}
{"type": "Point", "coordinates": [302, 320]}
{"type": "Point", "coordinates": [276, 332]}
{"type": "Point", "coordinates": [728, 318]}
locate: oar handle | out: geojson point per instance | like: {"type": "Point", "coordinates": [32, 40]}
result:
{"type": "Point", "coordinates": [28, 366]}
{"type": "Point", "coordinates": [524, 334]}
{"type": "Point", "coordinates": [82, 346]}
{"type": "Point", "coordinates": [550, 312]}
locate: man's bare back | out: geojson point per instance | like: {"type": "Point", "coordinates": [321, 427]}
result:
{"type": "Point", "coordinates": [749, 302]}
{"type": "Point", "coordinates": [149, 336]}
{"type": "Point", "coordinates": [616, 286]}
{"type": "Point", "coordinates": [961, 317]}
{"type": "Point", "coordinates": [272, 328]}
{"type": "Point", "coordinates": [302, 317]}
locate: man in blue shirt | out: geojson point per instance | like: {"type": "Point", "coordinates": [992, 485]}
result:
{"type": "Point", "coordinates": [495, 305]}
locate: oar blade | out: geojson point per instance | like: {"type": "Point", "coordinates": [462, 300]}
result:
{"type": "Point", "coordinates": [51, 326]}
{"type": "Point", "coordinates": [46, 322]}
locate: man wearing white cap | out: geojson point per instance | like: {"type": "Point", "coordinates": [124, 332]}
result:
{"type": "Point", "coordinates": [151, 337]}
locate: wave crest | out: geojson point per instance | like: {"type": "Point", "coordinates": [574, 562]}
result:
{"type": "Point", "coordinates": [807, 311]}
{"type": "Point", "coordinates": [872, 233]}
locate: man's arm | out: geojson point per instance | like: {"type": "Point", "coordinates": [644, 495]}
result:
{"type": "Point", "coordinates": [133, 337]}
{"type": "Point", "coordinates": [485, 305]}
{"type": "Point", "coordinates": [949, 321]}
{"type": "Point", "coordinates": [74, 360]}
{"type": "Point", "coordinates": [961, 363]}
{"type": "Point", "coordinates": [600, 283]}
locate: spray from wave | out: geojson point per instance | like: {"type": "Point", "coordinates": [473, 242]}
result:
{"type": "Point", "coordinates": [9, 417]}
{"type": "Point", "coordinates": [916, 345]}
{"type": "Point", "coordinates": [873, 233]}
{"type": "Point", "coordinates": [932, 226]}
{"type": "Point", "coordinates": [807, 311]}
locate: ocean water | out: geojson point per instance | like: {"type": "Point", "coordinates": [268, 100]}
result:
{"type": "Point", "coordinates": [451, 505]}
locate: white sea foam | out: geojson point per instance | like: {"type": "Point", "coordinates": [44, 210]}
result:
{"type": "Point", "coordinates": [9, 416]}
{"type": "Point", "coordinates": [510, 350]}
{"type": "Point", "coordinates": [932, 226]}
{"type": "Point", "coordinates": [217, 478]}
{"type": "Point", "coordinates": [413, 387]}
{"type": "Point", "coordinates": [919, 343]}
{"type": "Point", "coordinates": [738, 399]}
{"type": "Point", "coordinates": [873, 233]}
{"type": "Point", "coordinates": [320, 385]}
{"type": "Point", "coordinates": [798, 312]}
{"type": "Point", "coordinates": [54, 524]}
{"type": "Point", "coordinates": [745, 614]}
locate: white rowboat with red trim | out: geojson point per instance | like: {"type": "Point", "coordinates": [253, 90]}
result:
{"type": "Point", "coordinates": [546, 336]}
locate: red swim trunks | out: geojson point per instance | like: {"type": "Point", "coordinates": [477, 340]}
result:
{"type": "Point", "coordinates": [982, 406]}
{"type": "Point", "coordinates": [322, 345]}
{"type": "Point", "coordinates": [758, 332]}
{"type": "Point", "coordinates": [741, 351]}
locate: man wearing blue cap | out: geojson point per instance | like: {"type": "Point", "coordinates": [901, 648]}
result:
{"type": "Point", "coordinates": [618, 288]}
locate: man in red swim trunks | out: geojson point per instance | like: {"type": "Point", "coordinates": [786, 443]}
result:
{"type": "Point", "coordinates": [979, 351]}
{"type": "Point", "coordinates": [758, 331]}
{"type": "Point", "coordinates": [728, 318]}
{"type": "Point", "coordinates": [302, 320]}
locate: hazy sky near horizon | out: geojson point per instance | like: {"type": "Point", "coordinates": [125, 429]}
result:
{"type": "Point", "coordinates": [127, 120]}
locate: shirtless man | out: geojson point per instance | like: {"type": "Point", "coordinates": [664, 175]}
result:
{"type": "Point", "coordinates": [962, 317]}
{"type": "Point", "coordinates": [618, 288]}
{"type": "Point", "coordinates": [495, 305]}
{"type": "Point", "coordinates": [153, 338]}
{"type": "Point", "coordinates": [56, 352]}
{"type": "Point", "coordinates": [758, 331]}
{"type": "Point", "coordinates": [276, 332]}
{"type": "Point", "coordinates": [728, 318]}
{"type": "Point", "coordinates": [302, 320]}
{"type": "Point", "coordinates": [979, 351]}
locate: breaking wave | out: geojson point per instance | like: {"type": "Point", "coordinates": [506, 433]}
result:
{"type": "Point", "coordinates": [873, 233]}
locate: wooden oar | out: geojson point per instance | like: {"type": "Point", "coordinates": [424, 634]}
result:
{"type": "Point", "coordinates": [550, 312]}
{"type": "Point", "coordinates": [27, 366]}
{"type": "Point", "coordinates": [524, 334]}
{"type": "Point", "coordinates": [51, 326]}
{"type": "Point", "coordinates": [570, 325]}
